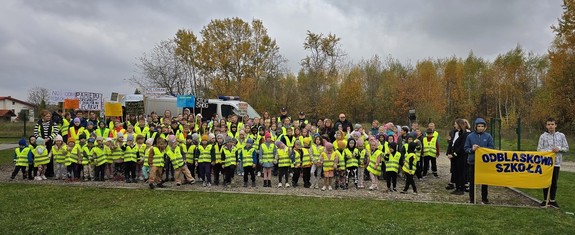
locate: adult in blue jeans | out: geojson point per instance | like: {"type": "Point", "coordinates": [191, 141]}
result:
{"type": "Point", "coordinates": [477, 138]}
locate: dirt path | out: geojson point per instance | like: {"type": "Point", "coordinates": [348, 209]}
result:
{"type": "Point", "coordinates": [568, 166]}
{"type": "Point", "coordinates": [431, 189]}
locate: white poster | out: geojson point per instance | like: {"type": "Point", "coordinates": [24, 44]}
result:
{"type": "Point", "coordinates": [90, 101]}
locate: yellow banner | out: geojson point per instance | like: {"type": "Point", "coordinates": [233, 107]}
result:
{"type": "Point", "coordinates": [521, 169]}
{"type": "Point", "coordinates": [113, 109]}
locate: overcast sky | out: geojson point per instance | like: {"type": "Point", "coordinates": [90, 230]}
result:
{"type": "Point", "coordinates": [92, 46]}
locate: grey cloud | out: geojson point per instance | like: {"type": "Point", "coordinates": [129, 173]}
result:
{"type": "Point", "coordinates": [93, 45]}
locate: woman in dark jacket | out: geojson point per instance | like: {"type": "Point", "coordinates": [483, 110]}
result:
{"type": "Point", "coordinates": [459, 156]}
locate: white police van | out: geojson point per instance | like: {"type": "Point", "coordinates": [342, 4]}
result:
{"type": "Point", "coordinates": [223, 106]}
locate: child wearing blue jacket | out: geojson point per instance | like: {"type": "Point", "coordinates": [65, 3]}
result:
{"type": "Point", "coordinates": [21, 159]}
{"type": "Point", "coordinates": [476, 139]}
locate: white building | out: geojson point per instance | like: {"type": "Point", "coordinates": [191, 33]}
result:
{"type": "Point", "coordinates": [11, 106]}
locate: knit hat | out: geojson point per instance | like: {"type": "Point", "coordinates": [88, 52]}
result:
{"type": "Point", "coordinates": [211, 136]}
{"type": "Point", "coordinates": [59, 137]}
{"type": "Point", "coordinates": [250, 141]}
{"type": "Point", "coordinates": [130, 137]}
{"type": "Point", "coordinates": [306, 141]}
{"type": "Point", "coordinates": [267, 135]}
{"type": "Point", "coordinates": [109, 139]}
{"type": "Point", "coordinates": [229, 140]}
{"type": "Point", "coordinates": [71, 140]}
{"type": "Point", "coordinates": [195, 137]}
{"type": "Point", "coordinates": [204, 138]}
{"type": "Point", "coordinates": [90, 140]}
{"type": "Point", "coordinates": [77, 120]}
{"type": "Point", "coordinates": [356, 126]}
{"type": "Point", "coordinates": [120, 134]}
{"type": "Point", "coordinates": [90, 123]}
{"type": "Point", "coordinates": [22, 142]}
{"type": "Point", "coordinates": [340, 144]}
{"type": "Point", "coordinates": [242, 132]}
{"type": "Point", "coordinates": [150, 141]}
{"type": "Point", "coordinates": [40, 141]}
{"type": "Point", "coordinates": [99, 138]}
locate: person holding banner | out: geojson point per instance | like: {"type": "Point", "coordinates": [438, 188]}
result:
{"type": "Point", "coordinates": [476, 139]}
{"type": "Point", "coordinates": [556, 142]}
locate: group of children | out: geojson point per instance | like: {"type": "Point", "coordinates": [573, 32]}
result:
{"type": "Point", "coordinates": [179, 151]}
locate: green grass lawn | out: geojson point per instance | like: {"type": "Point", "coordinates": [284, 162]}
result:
{"type": "Point", "coordinates": [6, 156]}
{"type": "Point", "coordinates": [66, 209]}
{"type": "Point", "coordinates": [565, 191]}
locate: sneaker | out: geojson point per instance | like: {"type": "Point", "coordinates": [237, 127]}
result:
{"type": "Point", "coordinates": [287, 185]}
{"type": "Point", "coordinates": [37, 178]}
{"type": "Point", "coordinates": [209, 184]}
{"type": "Point", "coordinates": [329, 188]}
{"type": "Point", "coordinates": [403, 192]}
{"type": "Point", "coordinates": [44, 177]}
{"type": "Point", "coordinates": [316, 186]}
{"type": "Point", "coordinates": [245, 184]}
{"type": "Point", "coordinates": [128, 181]}
{"type": "Point", "coordinates": [204, 184]}
{"type": "Point", "coordinates": [253, 184]}
{"type": "Point", "coordinates": [450, 187]}
{"type": "Point", "coordinates": [554, 204]}
{"type": "Point", "coordinates": [161, 185]}
{"type": "Point", "coordinates": [323, 188]}
{"type": "Point", "coordinates": [151, 186]}
{"type": "Point", "coordinates": [178, 184]}
{"type": "Point", "coordinates": [279, 185]}
{"type": "Point", "coordinates": [485, 202]}
{"type": "Point", "coordinates": [543, 204]}
{"type": "Point", "coordinates": [394, 190]}
{"type": "Point", "coordinates": [414, 193]}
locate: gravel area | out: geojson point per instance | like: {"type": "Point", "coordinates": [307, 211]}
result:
{"type": "Point", "coordinates": [431, 189]}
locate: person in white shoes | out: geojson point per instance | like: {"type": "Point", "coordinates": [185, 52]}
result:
{"type": "Point", "coordinates": [329, 162]}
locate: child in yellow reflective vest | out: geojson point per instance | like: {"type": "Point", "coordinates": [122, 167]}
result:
{"type": "Point", "coordinates": [20, 159]}
{"type": "Point", "coordinates": [72, 153]}
{"type": "Point", "coordinates": [316, 151]}
{"type": "Point", "coordinates": [174, 152]}
{"type": "Point", "coordinates": [248, 158]}
{"type": "Point", "coordinates": [229, 158]}
{"type": "Point", "coordinates": [144, 158]}
{"type": "Point", "coordinates": [59, 156]}
{"type": "Point", "coordinates": [41, 158]}
{"type": "Point", "coordinates": [392, 166]}
{"type": "Point", "coordinates": [351, 155]}
{"type": "Point", "coordinates": [329, 159]}
{"type": "Point", "coordinates": [340, 172]}
{"type": "Point", "coordinates": [363, 161]}
{"type": "Point", "coordinates": [284, 163]}
{"type": "Point", "coordinates": [374, 163]}
{"type": "Point", "coordinates": [409, 167]}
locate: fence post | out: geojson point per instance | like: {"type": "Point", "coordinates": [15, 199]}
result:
{"type": "Point", "coordinates": [518, 130]}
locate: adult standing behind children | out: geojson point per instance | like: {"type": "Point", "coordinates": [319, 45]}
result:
{"type": "Point", "coordinates": [553, 141]}
{"type": "Point", "coordinates": [474, 140]}
{"type": "Point", "coordinates": [47, 129]}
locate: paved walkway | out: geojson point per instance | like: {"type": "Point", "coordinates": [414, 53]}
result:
{"type": "Point", "coordinates": [8, 146]}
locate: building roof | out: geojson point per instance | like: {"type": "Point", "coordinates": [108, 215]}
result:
{"type": "Point", "coordinates": [6, 113]}
{"type": "Point", "coordinates": [16, 100]}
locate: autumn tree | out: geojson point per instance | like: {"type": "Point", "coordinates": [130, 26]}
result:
{"type": "Point", "coordinates": [162, 68]}
{"type": "Point", "coordinates": [560, 83]}
{"type": "Point", "coordinates": [318, 76]}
